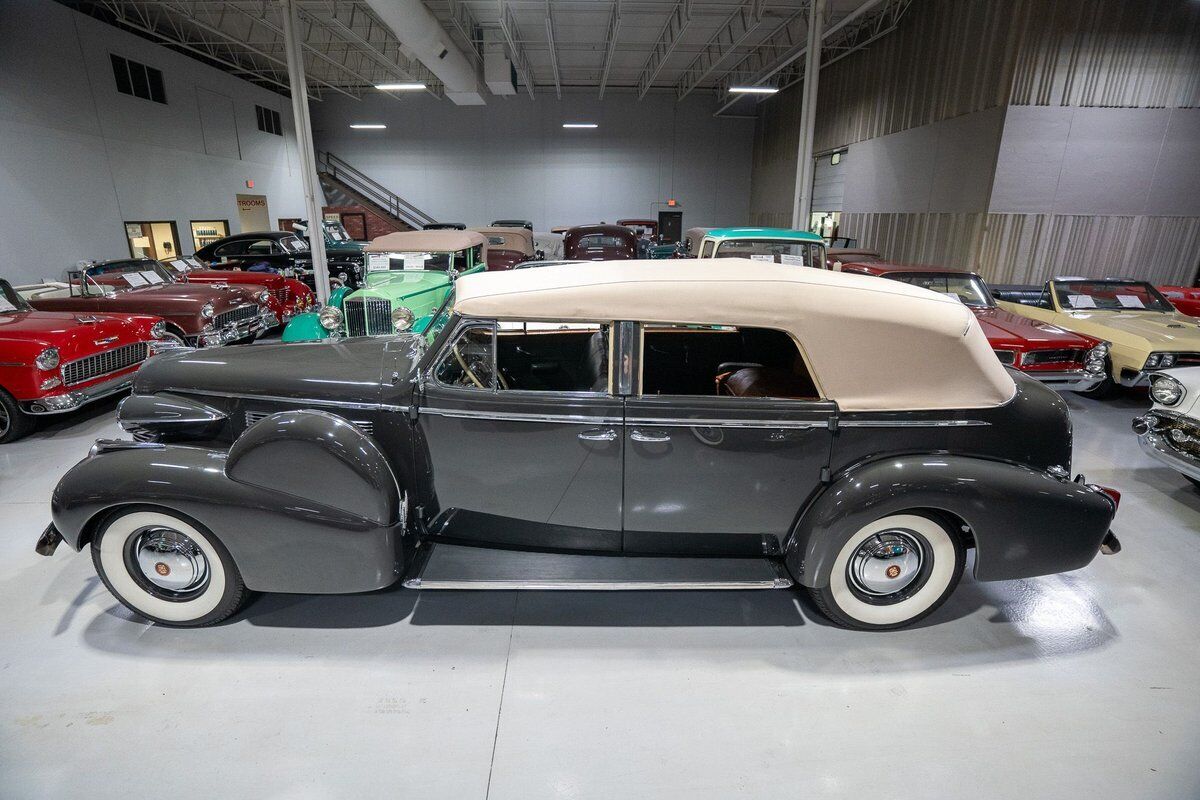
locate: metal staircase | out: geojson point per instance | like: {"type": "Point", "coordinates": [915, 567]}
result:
{"type": "Point", "coordinates": [345, 186]}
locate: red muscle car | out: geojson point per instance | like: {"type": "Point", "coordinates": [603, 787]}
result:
{"type": "Point", "coordinates": [286, 298]}
{"type": "Point", "coordinates": [196, 314]}
{"type": "Point", "coordinates": [52, 361]}
{"type": "Point", "coordinates": [1056, 357]}
{"type": "Point", "coordinates": [599, 243]}
{"type": "Point", "coordinates": [1186, 299]}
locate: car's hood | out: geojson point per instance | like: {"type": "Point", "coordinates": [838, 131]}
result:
{"type": "Point", "coordinates": [329, 371]}
{"type": "Point", "coordinates": [398, 284]}
{"type": "Point", "coordinates": [72, 333]}
{"type": "Point", "coordinates": [1159, 328]}
{"type": "Point", "coordinates": [180, 298]}
{"type": "Point", "coordinates": [236, 277]}
{"type": "Point", "coordinates": [1005, 327]}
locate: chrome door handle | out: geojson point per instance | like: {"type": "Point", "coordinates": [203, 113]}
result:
{"type": "Point", "coordinates": [598, 435]}
{"type": "Point", "coordinates": [642, 436]}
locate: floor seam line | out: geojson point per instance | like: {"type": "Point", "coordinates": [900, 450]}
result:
{"type": "Point", "coordinates": [503, 684]}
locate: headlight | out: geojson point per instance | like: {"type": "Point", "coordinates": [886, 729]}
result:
{"type": "Point", "coordinates": [264, 297]}
{"type": "Point", "coordinates": [47, 359]}
{"type": "Point", "coordinates": [330, 318]}
{"type": "Point", "coordinates": [207, 311]}
{"type": "Point", "coordinates": [343, 276]}
{"type": "Point", "coordinates": [1167, 360]}
{"type": "Point", "coordinates": [402, 318]}
{"type": "Point", "coordinates": [1094, 361]}
{"type": "Point", "coordinates": [158, 330]}
{"type": "Point", "coordinates": [1166, 390]}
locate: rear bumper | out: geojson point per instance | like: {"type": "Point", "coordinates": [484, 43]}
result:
{"type": "Point", "coordinates": [1156, 447]}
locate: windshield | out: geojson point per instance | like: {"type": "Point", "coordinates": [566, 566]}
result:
{"type": "Point", "coordinates": [781, 252]}
{"type": "Point", "coordinates": [132, 274]}
{"type": "Point", "coordinates": [1109, 296]}
{"type": "Point", "coordinates": [428, 260]}
{"type": "Point", "coordinates": [10, 301]}
{"type": "Point", "coordinates": [602, 240]}
{"type": "Point", "coordinates": [337, 232]}
{"type": "Point", "coordinates": [440, 318]}
{"type": "Point", "coordinates": [970, 289]}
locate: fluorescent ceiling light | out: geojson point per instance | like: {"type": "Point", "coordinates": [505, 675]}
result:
{"type": "Point", "coordinates": [400, 87]}
{"type": "Point", "coordinates": [580, 125]}
{"type": "Point", "coordinates": [364, 126]}
{"type": "Point", "coordinates": [752, 90]}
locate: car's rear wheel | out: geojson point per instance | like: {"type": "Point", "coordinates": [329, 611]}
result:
{"type": "Point", "coordinates": [14, 423]}
{"type": "Point", "coordinates": [892, 572]}
{"type": "Point", "coordinates": [167, 568]}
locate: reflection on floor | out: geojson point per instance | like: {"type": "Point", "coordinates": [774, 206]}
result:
{"type": "Point", "coordinates": [1075, 685]}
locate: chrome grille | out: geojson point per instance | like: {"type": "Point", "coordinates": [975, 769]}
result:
{"type": "Point", "coordinates": [281, 294]}
{"type": "Point", "coordinates": [239, 314]}
{"type": "Point", "coordinates": [1005, 356]}
{"type": "Point", "coordinates": [1187, 359]}
{"type": "Point", "coordinates": [1063, 356]}
{"type": "Point", "coordinates": [364, 425]}
{"type": "Point", "coordinates": [368, 317]}
{"type": "Point", "coordinates": [106, 363]}
{"type": "Point", "coordinates": [1182, 434]}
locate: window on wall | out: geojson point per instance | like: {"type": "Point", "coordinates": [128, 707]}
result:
{"type": "Point", "coordinates": [138, 79]}
{"type": "Point", "coordinates": [269, 121]}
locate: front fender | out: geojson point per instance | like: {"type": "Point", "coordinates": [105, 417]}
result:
{"type": "Point", "coordinates": [304, 327]}
{"type": "Point", "coordinates": [1024, 522]}
{"type": "Point", "coordinates": [303, 501]}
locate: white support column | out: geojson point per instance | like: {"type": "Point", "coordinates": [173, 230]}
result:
{"type": "Point", "coordinates": [304, 143]}
{"type": "Point", "coordinates": [802, 204]}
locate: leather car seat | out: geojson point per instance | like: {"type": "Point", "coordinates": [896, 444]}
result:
{"type": "Point", "coordinates": [595, 360]}
{"type": "Point", "coordinates": [760, 381]}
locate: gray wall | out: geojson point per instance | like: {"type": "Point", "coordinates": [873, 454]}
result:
{"type": "Point", "coordinates": [79, 159]}
{"type": "Point", "coordinates": [512, 158]}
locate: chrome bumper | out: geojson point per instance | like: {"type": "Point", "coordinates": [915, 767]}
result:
{"type": "Point", "coordinates": [1138, 379]}
{"type": "Point", "coordinates": [238, 330]}
{"type": "Point", "coordinates": [69, 401]}
{"type": "Point", "coordinates": [1073, 380]}
{"type": "Point", "coordinates": [1152, 444]}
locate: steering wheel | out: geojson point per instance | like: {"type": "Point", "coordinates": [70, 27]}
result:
{"type": "Point", "coordinates": [470, 373]}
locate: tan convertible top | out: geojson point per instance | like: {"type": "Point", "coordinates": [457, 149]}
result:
{"type": "Point", "coordinates": [872, 344]}
{"type": "Point", "coordinates": [519, 239]}
{"type": "Point", "coordinates": [425, 241]}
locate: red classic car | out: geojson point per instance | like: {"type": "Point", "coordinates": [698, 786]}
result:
{"type": "Point", "coordinates": [51, 361]}
{"type": "Point", "coordinates": [1186, 299]}
{"type": "Point", "coordinates": [599, 243]}
{"type": "Point", "coordinates": [1056, 357]}
{"type": "Point", "coordinates": [196, 314]}
{"type": "Point", "coordinates": [286, 298]}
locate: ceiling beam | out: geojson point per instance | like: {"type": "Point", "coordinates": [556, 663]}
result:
{"type": "Point", "coordinates": [728, 38]}
{"type": "Point", "coordinates": [553, 50]}
{"type": "Point", "coordinates": [614, 27]}
{"type": "Point", "coordinates": [668, 39]}
{"type": "Point", "coordinates": [508, 27]}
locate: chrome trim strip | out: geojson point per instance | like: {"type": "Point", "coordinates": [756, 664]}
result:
{"type": "Point", "coordinates": [706, 422]}
{"type": "Point", "coordinates": [507, 416]}
{"type": "Point", "coordinates": [270, 398]}
{"type": "Point", "coordinates": [595, 586]}
{"type": "Point", "coordinates": [910, 423]}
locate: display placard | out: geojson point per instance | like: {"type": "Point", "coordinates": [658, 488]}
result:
{"type": "Point", "coordinates": [1130, 301]}
{"type": "Point", "coordinates": [152, 277]}
{"type": "Point", "coordinates": [135, 279]}
{"type": "Point", "coordinates": [5, 305]}
{"type": "Point", "coordinates": [179, 265]}
{"type": "Point", "coordinates": [378, 262]}
{"type": "Point", "coordinates": [1081, 301]}
{"type": "Point", "coordinates": [762, 257]}
{"type": "Point", "coordinates": [414, 260]}
{"type": "Point", "coordinates": [795, 261]}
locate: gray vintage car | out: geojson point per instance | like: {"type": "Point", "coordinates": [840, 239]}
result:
{"type": "Point", "coordinates": [733, 423]}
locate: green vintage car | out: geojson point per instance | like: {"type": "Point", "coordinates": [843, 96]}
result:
{"type": "Point", "coordinates": [781, 245]}
{"type": "Point", "coordinates": [408, 276]}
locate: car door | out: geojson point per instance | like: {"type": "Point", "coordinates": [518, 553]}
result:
{"type": "Point", "coordinates": [707, 473]}
{"type": "Point", "coordinates": [523, 456]}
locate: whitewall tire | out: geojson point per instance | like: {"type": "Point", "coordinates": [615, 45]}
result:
{"type": "Point", "coordinates": [892, 572]}
{"type": "Point", "coordinates": [167, 568]}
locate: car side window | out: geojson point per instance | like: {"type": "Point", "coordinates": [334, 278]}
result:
{"type": "Point", "coordinates": [470, 360]}
{"type": "Point", "coordinates": [230, 249]}
{"type": "Point", "coordinates": [724, 361]}
{"type": "Point", "coordinates": [706, 250]}
{"type": "Point", "coordinates": [263, 247]}
{"type": "Point", "coordinates": [554, 356]}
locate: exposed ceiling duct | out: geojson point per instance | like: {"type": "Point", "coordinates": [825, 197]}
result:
{"type": "Point", "coordinates": [422, 36]}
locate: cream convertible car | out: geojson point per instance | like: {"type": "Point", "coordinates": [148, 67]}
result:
{"type": "Point", "coordinates": [733, 424]}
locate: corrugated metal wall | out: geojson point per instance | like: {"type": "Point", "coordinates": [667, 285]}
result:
{"type": "Point", "coordinates": [953, 57]}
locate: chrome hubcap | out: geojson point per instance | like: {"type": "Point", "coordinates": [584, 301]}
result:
{"type": "Point", "coordinates": [170, 560]}
{"type": "Point", "coordinates": [886, 563]}
{"type": "Point", "coordinates": [3, 420]}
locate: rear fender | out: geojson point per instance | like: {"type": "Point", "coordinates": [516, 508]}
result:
{"type": "Point", "coordinates": [1024, 522]}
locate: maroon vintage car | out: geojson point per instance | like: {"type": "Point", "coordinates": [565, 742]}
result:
{"type": "Point", "coordinates": [52, 361]}
{"type": "Point", "coordinates": [599, 243]}
{"type": "Point", "coordinates": [1186, 299]}
{"type": "Point", "coordinates": [287, 297]}
{"type": "Point", "coordinates": [507, 246]}
{"type": "Point", "coordinates": [196, 314]}
{"type": "Point", "coordinates": [1056, 357]}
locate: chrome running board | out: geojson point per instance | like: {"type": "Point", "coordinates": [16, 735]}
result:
{"type": "Point", "coordinates": [446, 566]}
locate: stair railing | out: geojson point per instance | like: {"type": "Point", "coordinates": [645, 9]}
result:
{"type": "Point", "coordinates": [372, 190]}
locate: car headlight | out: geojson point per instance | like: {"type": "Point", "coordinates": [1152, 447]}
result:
{"type": "Point", "coordinates": [208, 310]}
{"type": "Point", "coordinates": [1166, 390]}
{"type": "Point", "coordinates": [1095, 359]}
{"type": "Point", "coordinates": [264, 297]}
{"type": "Point", "coordinates": [47, 359]}
{"type": "Point", "coordinates": [330, 318]}
{"type": "Point", "coordinates": [1167, 360]}
{"type": "Point", "coordinates": [158, 330]}
{"type": "Point", "coordinates": [402, 318]}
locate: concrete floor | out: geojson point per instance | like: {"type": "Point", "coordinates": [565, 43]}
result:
{"type": "Point", "coordinates": [1078, 685]}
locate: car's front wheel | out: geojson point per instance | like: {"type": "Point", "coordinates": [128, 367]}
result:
{"type": "Point", "coordinates": [14, 423]}
{"type": "Point", "coordinates": [166, 568]}
{"type": "Point", "coordinates": [892, 572]}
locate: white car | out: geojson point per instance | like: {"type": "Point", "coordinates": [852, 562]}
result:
{"type": "Point", "coordinates": [1170, 432]}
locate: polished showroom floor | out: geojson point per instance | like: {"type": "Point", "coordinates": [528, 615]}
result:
{"type": "Point", "coordinates": [1077, 685]}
